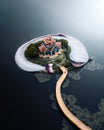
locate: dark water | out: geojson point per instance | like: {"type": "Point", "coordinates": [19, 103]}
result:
{"type": "Point", "coordinates": [25, 102]}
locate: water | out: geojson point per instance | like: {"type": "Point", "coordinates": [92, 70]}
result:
{"type": "Point", "coordinates": [26, 102]}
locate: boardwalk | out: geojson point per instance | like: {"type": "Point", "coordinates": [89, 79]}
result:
{"type": "Point", "coordinates": [63, 107]}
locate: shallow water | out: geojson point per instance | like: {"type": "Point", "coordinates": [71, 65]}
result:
{"type": "Point", "coordinates": [25, 101]}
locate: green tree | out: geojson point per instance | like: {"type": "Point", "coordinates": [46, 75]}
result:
{"type": "Point", "coordinates": [32, 51]}
{"type": "Point", "coordinates": [64, 43]}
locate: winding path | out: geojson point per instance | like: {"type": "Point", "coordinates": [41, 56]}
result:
{"type": "Point", "coordinates": [62, 105]}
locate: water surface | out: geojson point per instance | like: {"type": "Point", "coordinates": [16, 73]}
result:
{"type": "Point", "coordinates": [26, 102]}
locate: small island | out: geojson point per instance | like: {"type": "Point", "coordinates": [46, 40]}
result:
{"type": "Point", "coordinates": [54, 50]}
{"type": "Point", "coordinates": [49, 50]}
{"type": "Point", "coordinates": [50, 53]}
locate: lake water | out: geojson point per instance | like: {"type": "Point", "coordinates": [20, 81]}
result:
{"type": "Point", "coordinates": [26, 102]}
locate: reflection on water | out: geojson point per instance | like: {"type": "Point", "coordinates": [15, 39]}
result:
{"type": "Point", "coordinates": [42, 77]}
{"type": "Point", "coordinates": [95, 120]}
{"type": "Point", "coordinates": [66, 125]}
{"type": "Point", "coordinates": [75, 75]}
{"type": "Point", "coordinates": [90, 66]}
{"type": "Point", "coordinates": [66, 83]}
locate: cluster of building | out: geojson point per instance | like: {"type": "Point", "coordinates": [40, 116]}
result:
{"type": "Point", "coordinates": [49, 47]}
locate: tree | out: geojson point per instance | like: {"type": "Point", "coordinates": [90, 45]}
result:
{"type": "Point", "coordinates": [32, 51]}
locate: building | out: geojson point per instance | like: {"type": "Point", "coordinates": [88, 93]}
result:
{"type": "Point", "coordinates": [49, 47]}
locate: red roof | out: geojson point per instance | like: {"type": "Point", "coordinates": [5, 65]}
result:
{"type": "Point", "coordinates": [42, 48]}
{"type": "Point", "coordinates": [49, 40]}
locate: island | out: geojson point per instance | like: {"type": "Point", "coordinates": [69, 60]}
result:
{"type": "Point", "coordinates": [56, 49]}
{"type": "Point", "coordinates": [50, 53]}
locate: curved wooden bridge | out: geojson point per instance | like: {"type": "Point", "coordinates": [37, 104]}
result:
{"type": "Point", "coordinates": [62, 105]}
